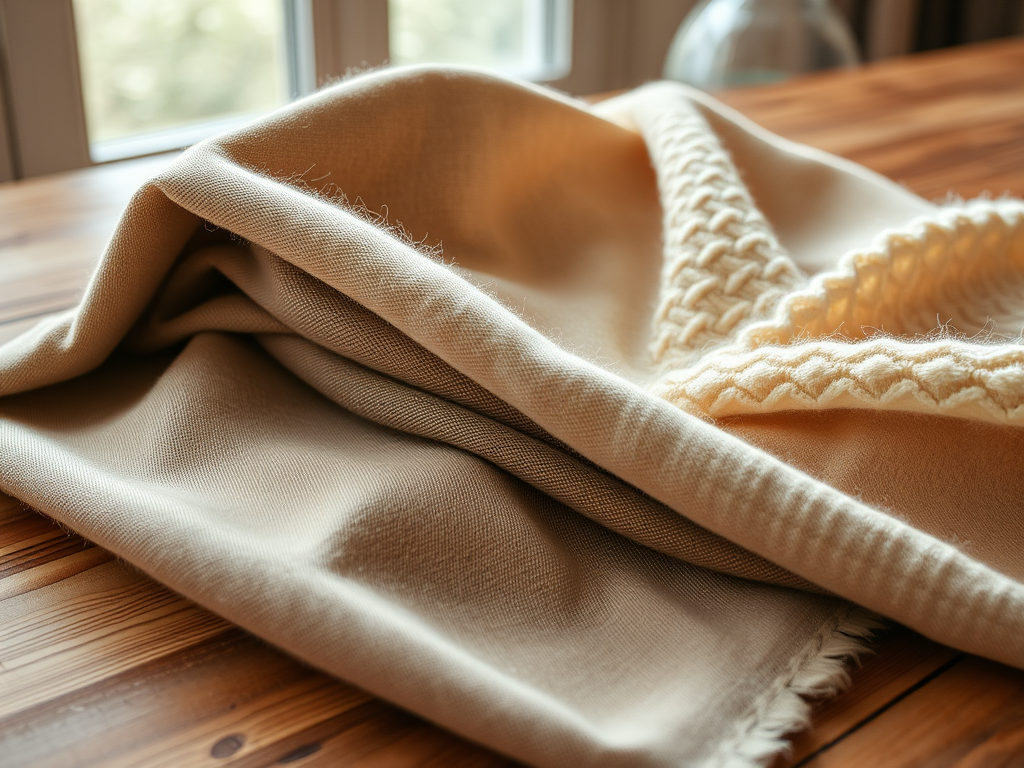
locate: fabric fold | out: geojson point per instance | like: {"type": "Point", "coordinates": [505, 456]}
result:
{"type": "Point", "coordinates": [415, 379]}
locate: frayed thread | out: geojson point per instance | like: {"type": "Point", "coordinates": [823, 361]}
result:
{"type": "Point", "coordinates": [817, 673]}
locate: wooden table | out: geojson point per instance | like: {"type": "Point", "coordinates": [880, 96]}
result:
{"type": "Point", "coordinates": [99, 665]}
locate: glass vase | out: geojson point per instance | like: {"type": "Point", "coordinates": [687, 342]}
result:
{"type": "Point", "coordinates": [728, 43]}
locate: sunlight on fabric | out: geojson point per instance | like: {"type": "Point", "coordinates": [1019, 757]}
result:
{"type": "Point", "coordinates": [152, 65]}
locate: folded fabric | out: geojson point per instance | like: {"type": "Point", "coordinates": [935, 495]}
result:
{"type": "Point", "coordinates": [572, 429]}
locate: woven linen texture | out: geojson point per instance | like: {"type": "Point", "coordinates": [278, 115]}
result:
{"type": "Point", "coordinates": [416, 379]}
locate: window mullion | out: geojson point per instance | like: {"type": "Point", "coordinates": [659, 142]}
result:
{"type": "Point", "coordinates": [599, 34]}
{"type": "Point", "coordinates": [348, 35]}
{"type": "Point", "coordinates": [300, 43]}
{"type": "Point", "coordinates": [8, 169]}
{"type": "Point", "coordinates": [45, 90]}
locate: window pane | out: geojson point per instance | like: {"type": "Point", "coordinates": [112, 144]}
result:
{"type": "Point", "coordinates": [149, 65]}
{"type": "Point", "coordinates": [508, 35]}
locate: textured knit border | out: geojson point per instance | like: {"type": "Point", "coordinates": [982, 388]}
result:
{"type": "Point", "coordinates": [816, 673]}
{"type": "Point", "coordinates": [723, 266]}
{"type": "Point", "coordinates": [740, 329]}
{"type": "Point", "coordinates": [983, 382]}
{"type": "Point", "coordinates": [940, 265]}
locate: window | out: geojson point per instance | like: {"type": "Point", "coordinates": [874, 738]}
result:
{"type": "Point", "coordinates": [85, 81]}
{"type": "Point", "coordinates": [581, 46]}
{"type": "Point", "coordinates": [156, 74]}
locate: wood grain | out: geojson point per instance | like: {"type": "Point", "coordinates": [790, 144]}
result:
{"type": "Point", "coordinates": [902, 662]}
{"type": "Point", "coordinates": [101, 666]}
{"type": "Point", "coordinates": [944, 122]}
{"type": "Point", "coordinates": [973, 715]}
{"type": "Point", "coordinates": [53, 231]}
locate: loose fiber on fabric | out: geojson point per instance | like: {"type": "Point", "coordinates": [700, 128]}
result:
{"type": "Point", "coordinates": [594, 446]}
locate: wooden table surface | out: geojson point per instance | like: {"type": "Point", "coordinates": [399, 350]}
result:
{"type": "Point", "coordinates": [99, 665]}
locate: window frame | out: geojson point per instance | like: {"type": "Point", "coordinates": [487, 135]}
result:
{"type": "Point", "coordinates": [44, 116]}
{"type": "Point", "coordinates": [613, 44]}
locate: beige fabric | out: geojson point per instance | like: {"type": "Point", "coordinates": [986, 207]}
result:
{"type": "Point", "coordinates": [958, 480]}
{"type": "Point", "coordinates": [374, 378]}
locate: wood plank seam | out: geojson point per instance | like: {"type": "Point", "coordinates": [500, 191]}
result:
{"type": "Point", "coordinates": [884, 708]}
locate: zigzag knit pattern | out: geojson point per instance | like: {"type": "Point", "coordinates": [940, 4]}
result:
{"type": "Point", "coordinates": [723, 265]}
{"type": "Point", "coordinates": [741, 331]}
{"type": "Point", "coordinates": [954, 378]}
{"type": "Point", "coordinates": [964, 265]}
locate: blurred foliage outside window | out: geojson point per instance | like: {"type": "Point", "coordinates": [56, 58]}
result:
{"type": "Point", "coordinates": [153, 65]}
{"type": "Point", "coordinates": [149, 65]}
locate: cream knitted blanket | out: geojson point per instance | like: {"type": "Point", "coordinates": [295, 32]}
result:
{"type": "Point", "coordinates": [404, 379]}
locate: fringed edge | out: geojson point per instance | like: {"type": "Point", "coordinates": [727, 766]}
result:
{"type": "Point", "coordinates": [817, 673]}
